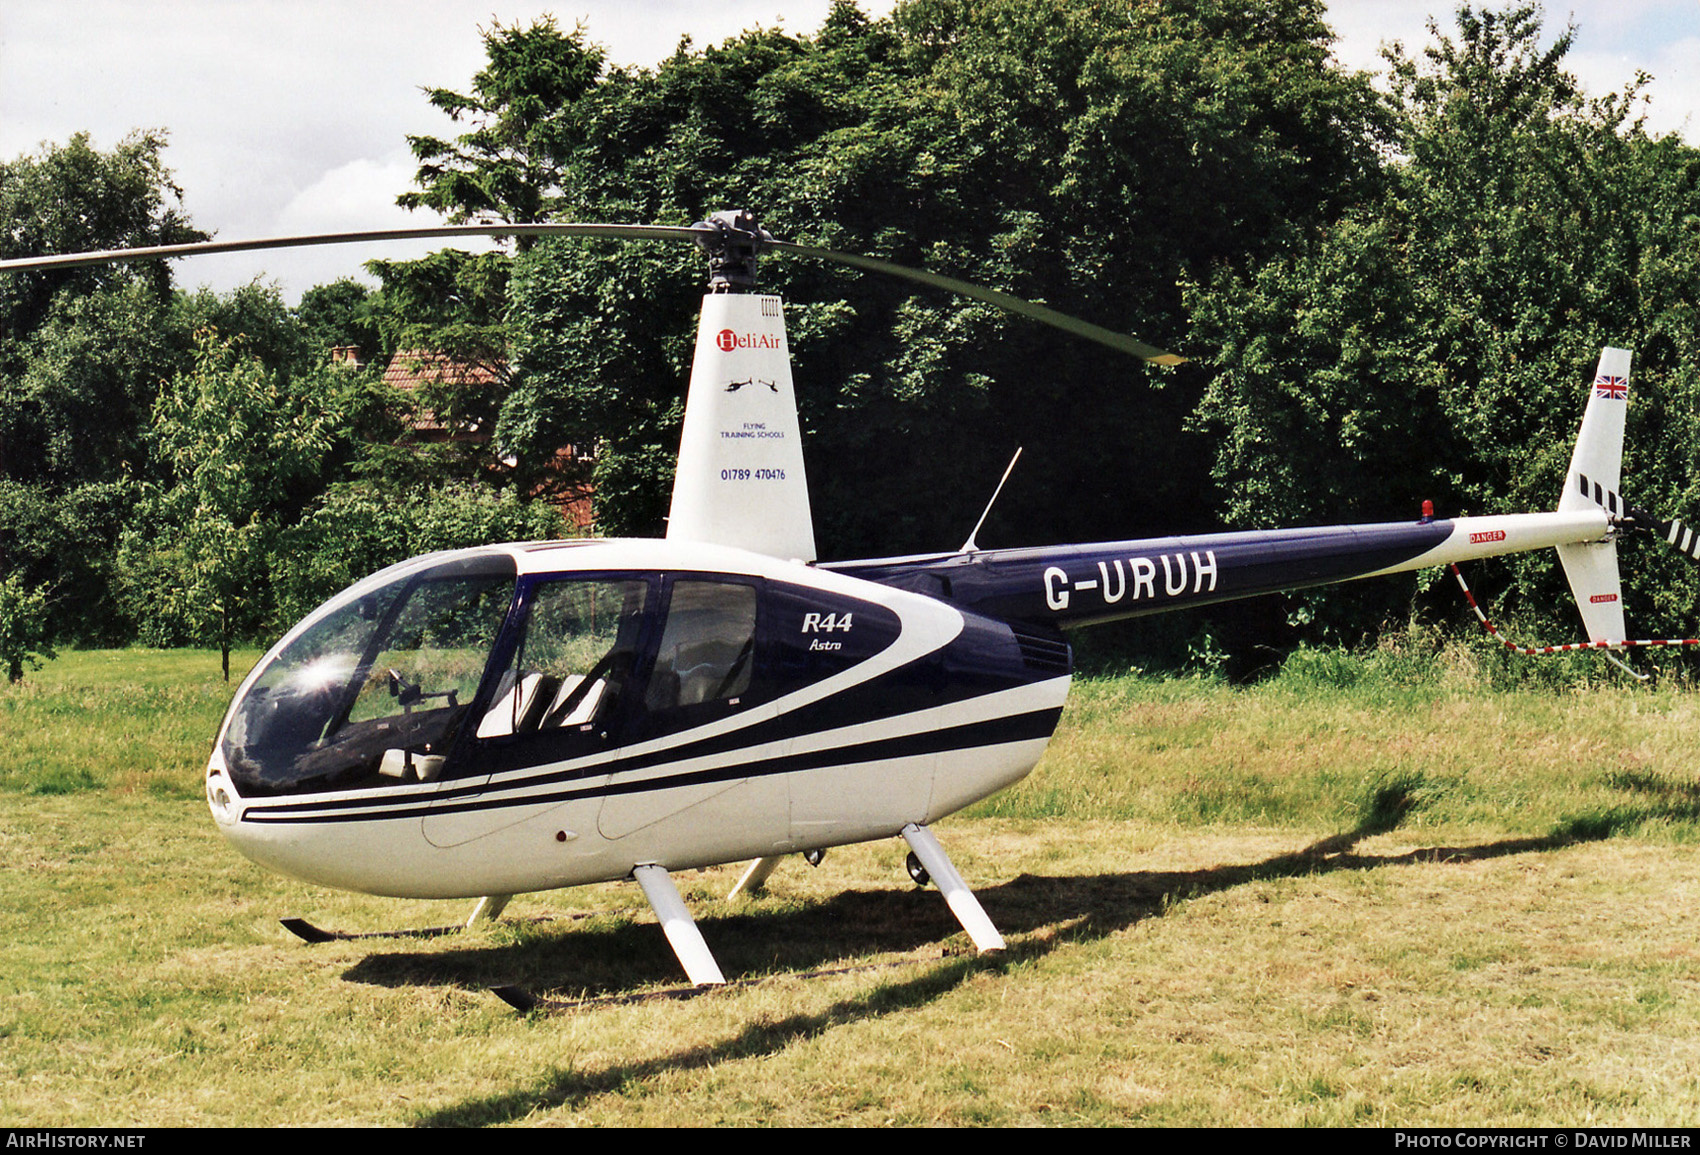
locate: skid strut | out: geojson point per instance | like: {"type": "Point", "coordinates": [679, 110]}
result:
{"type": "Point", "coordinates": [489, 907]}
{"type": "Point", "coordinates": [681, 929]}
{"type": "Point", "coordinates": [963, 904]}
{"type": "Point", "coordinates": [753, 877]}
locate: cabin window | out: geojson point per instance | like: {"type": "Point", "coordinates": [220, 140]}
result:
{"type": "Point", "coordinates": [707, 646]}
{"type": "Point", "coordinates": [433, 653]}
{"type": "Point", "coordinates": [373, 687]}
{"type": "Point", "coordinates": [578, 651]}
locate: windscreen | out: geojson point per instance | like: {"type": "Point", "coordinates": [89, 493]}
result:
{"type": "Point", "coordinates": [374, 687]}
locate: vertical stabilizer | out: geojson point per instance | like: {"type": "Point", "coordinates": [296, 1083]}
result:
{"type": "Point", "coordinates": [1594, 481]}
{"type": "Point", "coordinates": [740, 476]}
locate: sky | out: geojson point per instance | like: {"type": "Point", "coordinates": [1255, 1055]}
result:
{"type": "Point", "coordinates": [292, 116]}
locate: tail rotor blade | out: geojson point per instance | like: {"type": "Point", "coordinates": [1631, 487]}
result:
{"type": "Point", "coordinates": [1681, 537]}
{"type": "Point", "coordinates": [1675, 533]}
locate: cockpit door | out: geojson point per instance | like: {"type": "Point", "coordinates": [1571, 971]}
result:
{"type": "Point", "coordinates": [553, 705]}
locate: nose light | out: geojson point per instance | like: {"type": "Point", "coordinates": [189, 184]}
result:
{"type": "Point", "coordinates": [218, 798]}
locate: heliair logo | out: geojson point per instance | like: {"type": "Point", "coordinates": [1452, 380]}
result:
{"type": "Point", "coordinates": [728, 341]}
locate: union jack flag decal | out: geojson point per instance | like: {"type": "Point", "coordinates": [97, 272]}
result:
{"type": "Point", "coordinates": [1616, 388]}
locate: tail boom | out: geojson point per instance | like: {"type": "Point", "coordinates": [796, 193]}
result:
{"type": "Point", "coordinates": [1085, 584]}
{"type": "Point", "coordinates": [1078, 585]}
{"type": "Point", "coordinates": [1473, 538]}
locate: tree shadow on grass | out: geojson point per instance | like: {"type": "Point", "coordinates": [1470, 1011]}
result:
{"type": "Point", "coordinates": [1041, 912]}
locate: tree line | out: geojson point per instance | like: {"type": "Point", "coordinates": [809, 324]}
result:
{"type": "Point", "coordinates": [1389, 293]}
{"type": "Point", "coordinates": [182, 467]}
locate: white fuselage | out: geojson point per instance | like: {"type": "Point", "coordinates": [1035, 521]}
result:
{"type": "Point", "coordinates": [739, 786]}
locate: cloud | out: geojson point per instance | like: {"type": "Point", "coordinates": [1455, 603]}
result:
{"type": "Point", "coordinates": [359, 194]}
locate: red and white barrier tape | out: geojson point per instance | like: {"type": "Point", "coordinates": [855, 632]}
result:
{"type": "Point", "coordinates": [1532, 650]}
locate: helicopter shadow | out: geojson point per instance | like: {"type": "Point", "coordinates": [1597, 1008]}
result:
{"type": "Point", "coordinates": [621, 959]}
{"type": "Point", "coordinates": [1073, 909]}
{"type": "Point", "coordinates": [613, 956]}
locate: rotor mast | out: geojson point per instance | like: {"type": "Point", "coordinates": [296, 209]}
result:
{"type": "Point", "coordinates": [740, 479]}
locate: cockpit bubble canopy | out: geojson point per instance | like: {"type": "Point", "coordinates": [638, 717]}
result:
{"type": "Point", "coordinates": [373, 684]}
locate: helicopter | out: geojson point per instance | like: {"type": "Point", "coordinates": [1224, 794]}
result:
{"type": "Point", "coordinates": [528, 716]}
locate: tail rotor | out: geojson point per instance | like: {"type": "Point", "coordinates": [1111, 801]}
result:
{"type": "Point", "coordinates": [1678, 536]}
{"type": "Point", "coordinates": [1591, 567]}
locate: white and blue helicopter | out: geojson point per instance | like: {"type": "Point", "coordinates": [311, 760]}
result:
{"type": "Point", "coordinates": [527, 716]}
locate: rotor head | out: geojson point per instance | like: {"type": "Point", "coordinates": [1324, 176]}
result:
{"type": "Point", "coordinates": [733, 241]}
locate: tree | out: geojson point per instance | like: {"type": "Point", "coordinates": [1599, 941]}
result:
{"type": "Point", "coordinates": [340, 314]}
{"type": "Point", "coordinates": [25, 640]}
{"type": "Point", "coordinates": [73, 198]}
{"type": "Point", "coordinates": [62, 542]}
{"type": "Point", "coordinates": [444, 317]}
{"type": "Point", "coordinates": [74, 407]}
{"type": "Point", "coordinates": [357, 528]}
{"type": "Point", "coordinates": [253, 320]}
{"type": "Point", "coordinates": [78, 347]}
{"type": "Point", "coordinates": [78, 409]}
{"type": "Point", "coordinates": [1435, 342]}
{"type": "Point", "coordinates": [236, 438]}
{"type": "Point", "coordinates": [506, 164]}
{"type": "Point", "coordinates": [1056, 151]}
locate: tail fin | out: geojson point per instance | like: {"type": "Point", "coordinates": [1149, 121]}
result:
{"type": "Point", "coordinates": [1593, 480]}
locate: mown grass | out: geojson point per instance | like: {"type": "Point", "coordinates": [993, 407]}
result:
{"type": "Point", "coordinates": [125, 719]}
{"type": "Point", "coordinates": [1411, 887]}
{"type": "Point", "coordinates": [1440, 733]}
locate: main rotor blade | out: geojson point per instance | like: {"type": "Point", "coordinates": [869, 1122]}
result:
{"type": "Point", "coordinates": [1014, 304]}
{"type": "Point", "coordinates": [700, 232]}
{"type": "Point", "coordinates": [113, 256]}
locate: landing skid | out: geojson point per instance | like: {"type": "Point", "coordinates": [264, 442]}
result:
{"type": "Point", "coordinates": [957, 896]}
{"type": "Point", "coordinates": [680, 928]}
{"type": "Point", "coordinates": [486, 911]}
{"type": "Point", "coordinates": [755, 877]}
{"type": "Point", "coordinates": [525, 1001]}
{"type": "Point", "coordinates": [928, 863]}
{"type": "Point", "coordinates": [307, 932]}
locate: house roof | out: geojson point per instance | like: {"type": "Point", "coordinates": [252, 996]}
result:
{"type": "Point", "coordinates": [411, 368]}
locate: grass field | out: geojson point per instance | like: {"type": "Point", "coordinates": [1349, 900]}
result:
{"type": "Point", "coordinates": [1407, 890]}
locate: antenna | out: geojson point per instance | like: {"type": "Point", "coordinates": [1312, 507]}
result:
{"type": "Point", "coordinates": [969, 546]}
